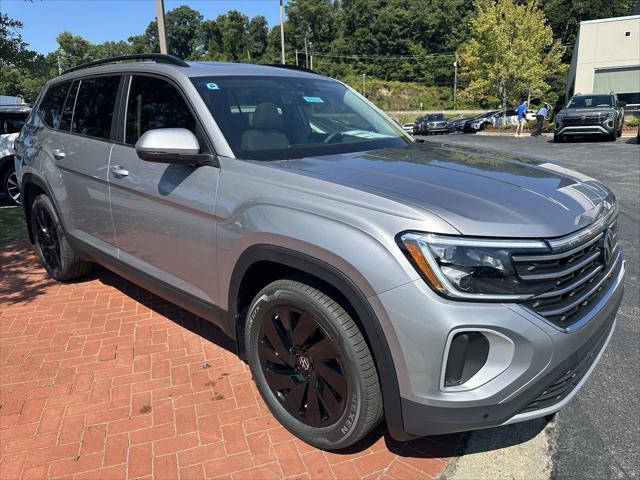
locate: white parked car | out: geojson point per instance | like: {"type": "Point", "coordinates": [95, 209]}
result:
{"type": "Point", "coordinates": [13, 114]}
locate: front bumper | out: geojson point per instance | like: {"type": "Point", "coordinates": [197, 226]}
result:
{"type": "Point", "coordinates": [547, 369]}
{"type": "Point", "coordinates": [584, 129]}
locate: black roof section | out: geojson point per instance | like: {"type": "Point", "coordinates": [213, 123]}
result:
{"type": "Point", "coordinates": [157, 57]}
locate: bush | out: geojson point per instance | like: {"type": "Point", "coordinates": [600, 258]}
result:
{"type": "Point", "coordinates": [632, 121]}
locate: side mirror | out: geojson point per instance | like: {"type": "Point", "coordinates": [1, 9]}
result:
{"type": "Point", "coordinates": [171, 145]}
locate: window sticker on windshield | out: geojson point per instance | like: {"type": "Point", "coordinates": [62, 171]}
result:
{"type": "Point", "coordinates": [213, 86]}
{"type": "Point", "coordinates": [313, 99]}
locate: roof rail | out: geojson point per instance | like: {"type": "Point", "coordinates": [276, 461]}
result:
{"type": "Point", "coordinates": [158, 57]}
{"type": "Point", "coordinates": [292, 67]}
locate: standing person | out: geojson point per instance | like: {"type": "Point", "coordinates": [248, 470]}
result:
{"type": "Point", "coordinates": [540, 116]}
{"type": "Point", "coordinates": [522, 117]}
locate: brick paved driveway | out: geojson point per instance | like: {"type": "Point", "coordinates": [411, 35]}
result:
{"type": "Point", "coordinates": [101, 379]}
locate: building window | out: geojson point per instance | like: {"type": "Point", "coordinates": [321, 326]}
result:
{"type": "Point", "coordinates": [627, 33]}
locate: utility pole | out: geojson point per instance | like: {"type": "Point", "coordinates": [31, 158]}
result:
{"type": "Point", "coordinates": [162, 34]}
{"type": "Point", "coordinates": [311, 55]}
{"type": "Point", "coordinates": [455, 82]}
{"type": "Point", "coordinates": [297, 58]}
{"type": "Point", "coordinates": [282, 32]}
{"type": "Point", "coordinates": [364, 85]}
{"type": "Point", "coordinates": [306, 53]}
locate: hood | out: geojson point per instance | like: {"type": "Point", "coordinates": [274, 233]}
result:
{"type": "Point", "coordinates": [478, 192]}
{"type": "Point", "coordinates": [585, 111]}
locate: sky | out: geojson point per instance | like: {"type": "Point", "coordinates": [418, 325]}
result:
{"type": "Point", "coordinates": [102, 20]}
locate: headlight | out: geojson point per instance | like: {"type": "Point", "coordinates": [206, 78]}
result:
{"type": "Point", "coordinates": [470, 268]}
{"type": "Point", "coordinates": [607, 115]}
{"type": "Point", "coordinates": [431, 124]}
{"type": "Point", "coordinates": [560, 117]}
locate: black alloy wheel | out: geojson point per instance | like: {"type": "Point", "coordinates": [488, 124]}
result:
{"type": "Point", "coordinates": [311, 363]}
{"type": "Point", "coordinates": [47, 239]}
{"type": "Point", "coordinates": [302, 366]}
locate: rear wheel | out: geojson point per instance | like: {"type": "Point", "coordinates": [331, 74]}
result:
{"type": "Point", "coordinates": [52, 245]}
{"type": "Point", "coordinates": [312, 365]}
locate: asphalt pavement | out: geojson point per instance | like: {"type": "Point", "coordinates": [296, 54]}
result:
{"type": "Point", "coordinates": [598, 434]}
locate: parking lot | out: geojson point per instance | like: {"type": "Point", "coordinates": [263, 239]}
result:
{"type": "Point", "coordinates": [596, 435]}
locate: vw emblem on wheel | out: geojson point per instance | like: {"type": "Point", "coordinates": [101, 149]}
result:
{"type": "Point", "coordinates": [304, 363]}
{"type": "Point", "coordinates": [607, 246]}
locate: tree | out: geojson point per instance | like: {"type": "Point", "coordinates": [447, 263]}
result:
{"type": "Point", "coordinates": [183, 25]}
{"type": "Point", "coordinates": [234, 37]}
{"type": "Point", "coordinates": [564, 16]}
{"type": "Point", "coordinates": [511, 54]}
{"type": "Point", "coordinates": [258, 32]}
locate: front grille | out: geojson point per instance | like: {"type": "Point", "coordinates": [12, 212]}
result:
{"type": "Point", "coordinates": [571, 279]}
{"type": "Point", "coordinates": [564, 384]}
{"type": "Point", "coordinates": [583, 120]}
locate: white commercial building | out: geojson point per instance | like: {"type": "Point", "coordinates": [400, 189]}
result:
{"type": "Point", "coordinates": [606, 58]}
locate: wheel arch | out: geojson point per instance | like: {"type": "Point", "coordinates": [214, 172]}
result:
{"type": "Point", "coordinates": [30, 187]}
{"type": "Point", "coordinates": [279, 262]}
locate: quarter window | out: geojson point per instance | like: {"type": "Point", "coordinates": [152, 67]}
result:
{"type": "Point", "coordinates": [51, 105]}
{"type": "Point", "coordinates": [94, 106]}
{"type": "Point", "coordinates": [155, 103]}
{"type": "Point", "coordinates": [67, 110]}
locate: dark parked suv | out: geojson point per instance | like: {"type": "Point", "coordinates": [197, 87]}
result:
{"type": "Point", "coordinates": [596, 114]}
{"type": "Point", "coordinates": [361, 275]}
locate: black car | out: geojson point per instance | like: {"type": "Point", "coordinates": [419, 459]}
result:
{"type": "Point", "coordinates": [594, 114]}
{"type": "Point", "coordinates": [458, 124]}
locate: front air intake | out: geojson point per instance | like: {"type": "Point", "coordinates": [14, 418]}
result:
{"type": "Point", "coordinates": [467, 355]}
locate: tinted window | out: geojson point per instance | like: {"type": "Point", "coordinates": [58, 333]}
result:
{"type": "Point", "coordinates": [265, 117]}
{"type": "Point", "coordinates": [12, 122]}
{"type": "Point", "coordinates": [67, 109]}
{"type": "Point", "coordinates": [51, 105]}
{"type": "Point", "coordinates": [155, 103]}
{"type": "Point", "coordinates": [94, 106]}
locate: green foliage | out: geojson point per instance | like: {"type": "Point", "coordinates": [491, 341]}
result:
{"type": "Point", "coordinates": [511, 54]}
{"type": "Point", "coordinates": [632, 121]}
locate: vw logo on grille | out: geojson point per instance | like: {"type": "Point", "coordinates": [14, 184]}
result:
{"type": "Point", "coordinates": [304, 363]}
{"type": "Point", "coordinates": [607, 246]}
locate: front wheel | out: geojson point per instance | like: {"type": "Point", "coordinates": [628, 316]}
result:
{"type": "Point", "coordinates": [558, 138]}
{"type": "Point", "coordinates": [52, 245]}
{"type": "Point", "coordinates": [10, 185]}
{"type": "Point", "coordinates": [312, 365]}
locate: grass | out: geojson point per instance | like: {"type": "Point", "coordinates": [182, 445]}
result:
{"type": "Point", "coordinates": [12, 226]}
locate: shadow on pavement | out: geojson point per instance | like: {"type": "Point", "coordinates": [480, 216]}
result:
{"type": "Point", "coordinates": [22, 279]}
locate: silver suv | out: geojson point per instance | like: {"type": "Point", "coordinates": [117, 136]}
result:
{"type": "Point", "coordinates": [362, 275]}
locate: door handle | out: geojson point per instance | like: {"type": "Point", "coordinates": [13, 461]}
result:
{"type": "Point", "coordinates": [119, 172]}
{"type": "Point", "coordinates": [58, 154]}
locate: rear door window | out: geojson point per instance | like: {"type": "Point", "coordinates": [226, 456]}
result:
{"type": "Point", "coordinates": [155, 103]}
{"type": "Point", "coordinates": [51, 106]}
{"type": "Point", "coordinates": [94, 106]}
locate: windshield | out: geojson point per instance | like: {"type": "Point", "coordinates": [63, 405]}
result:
{"type": "Point", "coordinates": [273, 118]}
{"type": "Point", "coordinates": [436, 117]}
{"type": "Point", "coordinates": [587, 101]}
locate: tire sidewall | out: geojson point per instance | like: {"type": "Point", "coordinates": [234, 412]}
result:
{"type": "Point", "coordinates": [337, 435]}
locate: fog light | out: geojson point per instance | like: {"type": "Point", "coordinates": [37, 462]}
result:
{"type": "Point", "coordinates": [468, 353]}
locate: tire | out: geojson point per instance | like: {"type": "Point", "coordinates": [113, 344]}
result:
{"type": "Point", "coordinates": [52, 245]}
{"type": "Point", "coordinates": [612, 137]}
{"type": "Point", "coordinates": [558, 138]}
{"type": "Point", "coordinates": [9, 184]}
{"type": "Point", "coordinates": [291, 361]}
{"type": "Point", "coordinates": [619, 133]}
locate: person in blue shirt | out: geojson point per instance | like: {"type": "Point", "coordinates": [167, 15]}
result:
{"type": "Point", "coordinates": [522, 117]}
{"type": "Point", "coordinates": [540, 116]}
